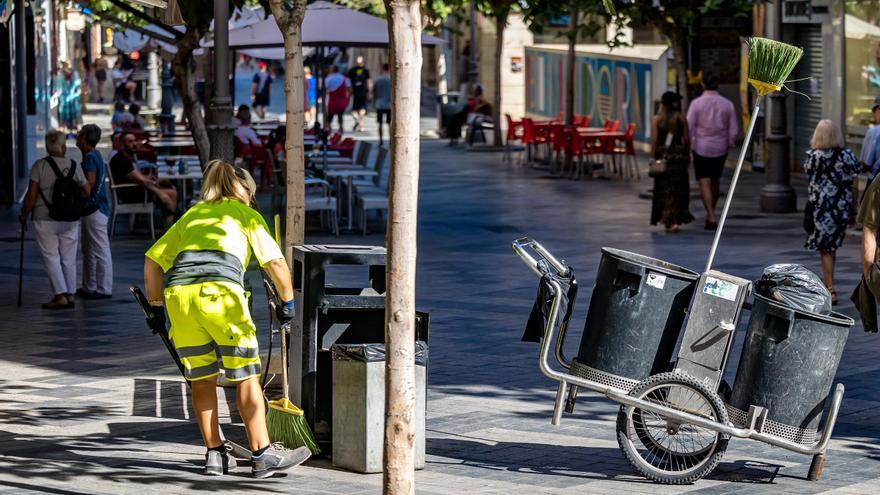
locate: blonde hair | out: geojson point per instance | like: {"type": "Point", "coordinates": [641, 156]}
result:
{"type": "Point", "coordinates": [221, 181]}
{"type": "Point", "coordinates": [826, 136]}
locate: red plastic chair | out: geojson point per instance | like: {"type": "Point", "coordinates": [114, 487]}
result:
{"type": "Point", "coordinates": [515, 132]}
{"type": "Point", "coordinates": [584, 121]}
{"type": "Point", "coordinates": [625, 147]}
{"type": "Point", "coordinates": [260, 160]}
{"type": "Point", "coordinates": [615, 125]}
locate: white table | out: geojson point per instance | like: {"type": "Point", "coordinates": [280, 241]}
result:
{"type": "Point", "coordinates": [348, 175]}
{"type": "Point", "coordinates": [191, 174]}
{"type": "Point", "coordinates": [167, 144]}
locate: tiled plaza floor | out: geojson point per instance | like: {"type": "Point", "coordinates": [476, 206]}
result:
{"type": "Point", "coordinates": [89, 402]}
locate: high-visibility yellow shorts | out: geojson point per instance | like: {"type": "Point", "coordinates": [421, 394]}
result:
{"type": "Point", "coordinates": [210, 319]}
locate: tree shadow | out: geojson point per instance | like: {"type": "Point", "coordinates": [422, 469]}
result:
{"type": "Point", "coordinates": [531, 458]}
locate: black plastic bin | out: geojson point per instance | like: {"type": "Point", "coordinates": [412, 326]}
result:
{"type": "Point", "coordinates": [787, 366]}
{"type": "Point", "coordinates": [635, 317]}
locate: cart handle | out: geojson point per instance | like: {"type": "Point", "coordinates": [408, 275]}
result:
{"type": "Point", "coordinates": [520, 246]}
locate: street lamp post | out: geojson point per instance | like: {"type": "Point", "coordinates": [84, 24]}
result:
{"type": "Point", "coordinates": [154, 91]}
{"type": "Point", "coordinates": [778, 196]}
{"type": "Point", "coordinates": [166, 118]}
{"type": "Point", "coordinates": [221, 103]}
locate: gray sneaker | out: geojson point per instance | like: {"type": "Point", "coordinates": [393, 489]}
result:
{"type": "Point", "coordinates": [217, 463]}
{"type": "Point", "coordinates": [276, 458]}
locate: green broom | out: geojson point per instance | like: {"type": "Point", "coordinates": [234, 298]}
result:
{"type": "Point", "coordinates": [286, 422]}
{"type": "Point", "coordinates": [770, 64]}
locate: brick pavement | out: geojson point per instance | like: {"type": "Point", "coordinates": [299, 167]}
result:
{"type": "Point", "coordinates": [89, 402]}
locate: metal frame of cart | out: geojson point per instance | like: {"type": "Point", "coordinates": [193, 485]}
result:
{"type": "Point", "coordinates": [677, 407]}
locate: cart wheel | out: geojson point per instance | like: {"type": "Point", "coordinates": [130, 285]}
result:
{"type": "Point", "coordinates": [671, 452]}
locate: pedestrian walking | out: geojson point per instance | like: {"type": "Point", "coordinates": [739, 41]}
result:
{"type": "Point", "coordinates": [261, 89]}
{"type": "Point", "coordinates": [833, 174]}
{"type": "Point", "coordinates": [867, 293]}
{"type": "Point", "coordinates": [713, 129]}
{"type": "Point", "coordinates": [70, 87]}
{"type": "Point", "coordinates": [870, 155]}
{"type": "Point", "coordinates": [203, 258]}
{"type": "Point", "coordinates": [100, 66]}
{"type": "Point", "coordinates": [97, 272]}
{"type": "Point", "coordinates": [55, 197]}
{"type": "Point", "coordinates": [361, 85]}
{"type": "Point", "coordinates": [382, 99]}
{"type": "Point", "coordinates": [311, 98]}
{"type": "Point", "coordinates": [671, 197]}
{"type": "Point", "coordinates": [338, 95]}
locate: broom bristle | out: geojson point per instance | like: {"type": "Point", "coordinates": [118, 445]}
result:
{"type": "Point", "coordinates": [290, 430]}
{"type": "Point", "coordinates": [772, 61]}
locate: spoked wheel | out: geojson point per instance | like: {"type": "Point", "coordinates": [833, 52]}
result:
{"type": "Point", "coordinates": [668, 451]}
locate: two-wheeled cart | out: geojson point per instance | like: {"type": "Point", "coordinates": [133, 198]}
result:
{"type": "Point", "coordinates": [675, 419]}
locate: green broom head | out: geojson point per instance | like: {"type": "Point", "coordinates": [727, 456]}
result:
{"type": "Point", "coordinates": [770, 63]}
{"type": "Point", "coordinates": [287, 425]}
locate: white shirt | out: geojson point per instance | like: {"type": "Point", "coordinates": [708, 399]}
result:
{"type": "Point", "coordinates": [247, 135]}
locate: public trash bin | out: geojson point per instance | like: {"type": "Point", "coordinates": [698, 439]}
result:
{"type": "Point", "coordinates": [787, 366]}
{"type": "Point", "coordinates": [359, 406]}
{"type": "Point", "coordinates": [340, 299]}
{"type": "Point", "coordinates": [634, 320]}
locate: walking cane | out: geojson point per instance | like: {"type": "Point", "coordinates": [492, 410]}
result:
{"type": "Point", "coordinates": [21, 263]}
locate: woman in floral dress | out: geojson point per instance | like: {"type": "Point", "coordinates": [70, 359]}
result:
{"type": "Point", "coordinates": [833, 172]}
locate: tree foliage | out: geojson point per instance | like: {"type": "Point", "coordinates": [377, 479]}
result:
{"type": "Point", "coordinates": [592, 18]}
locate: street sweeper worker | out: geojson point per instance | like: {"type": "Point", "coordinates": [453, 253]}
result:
{"type": "Point", "coordinates": [203, 257]}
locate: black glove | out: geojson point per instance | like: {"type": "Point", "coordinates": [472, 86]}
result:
{"type": "Point", "coordinates": [285, 311]}
{"type": "Point", "coordinates": [158, 316]}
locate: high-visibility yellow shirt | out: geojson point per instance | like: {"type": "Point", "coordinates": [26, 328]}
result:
{"type": "Point", "coordinates": [227, 226]}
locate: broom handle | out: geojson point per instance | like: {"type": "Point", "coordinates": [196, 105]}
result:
{"type": "Point", "coordinates": [736, 171]}
{"type": "Point", "coordinates": [284, 386]}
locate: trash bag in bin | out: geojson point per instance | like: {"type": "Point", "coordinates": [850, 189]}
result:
{"type": "Point", "coordinates": [371, 353]}
{"type": "Point", "coordinates": [796, 287]}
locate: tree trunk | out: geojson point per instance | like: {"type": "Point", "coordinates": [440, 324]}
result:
{"type": "Point", "coordinates": [679, 51]}
{"type": "Point", "coordinates": [404, 32]}
{"type": "Point", "coordinates": [500, 25]}
{"type": "Point", "coordinates": [290, 24]}
{"type": "Point", "coordinates": [182, 67]}
{"type": "Point", "coordinates": [569, 75]}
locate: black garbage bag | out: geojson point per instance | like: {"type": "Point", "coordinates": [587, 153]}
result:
{"type": "Point", "coordinates": [796, 287]}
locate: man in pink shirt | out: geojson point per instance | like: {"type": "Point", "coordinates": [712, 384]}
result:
{"type": "Point", "coordinates": [713, 129]}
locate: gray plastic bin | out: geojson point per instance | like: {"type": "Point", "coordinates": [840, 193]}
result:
{"type": "Point", "coordinates": [787, 366]}
{"type": "Point", "coordinates": [359, 406]}
{"type": "Point", "coordinates": [635, 317]}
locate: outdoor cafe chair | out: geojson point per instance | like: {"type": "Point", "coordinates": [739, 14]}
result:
{"type": "Point", "coordinates": [373, 184]}
{"type": "Point", "coordinates": [368, 202]}
{"type": "Point", "coordinates": [625, 148]}
{"type": "Point", "coordinates": [514, 134]}
{"type": "Point", "coordinates": [319, 197]}
{"type": "Point", "coordinates": [584, 121]}
{"type": "Point", "coordinates": [145, 207]}
{"type": "Point", "coordinates": [558, 145]}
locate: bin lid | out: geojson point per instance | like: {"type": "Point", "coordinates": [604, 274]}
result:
{"type": "Point", "coordinates": [834, 318]}
{"type": "Point", "coordinates": [372, 353]}
{"type": "Point", "coordinates": [652, 263]}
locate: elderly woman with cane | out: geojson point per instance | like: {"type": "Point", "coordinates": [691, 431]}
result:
{"type": "Point", "coordinates": [204, 257]}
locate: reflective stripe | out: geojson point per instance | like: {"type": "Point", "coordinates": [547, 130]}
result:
{"type": "Point", "coordinates": [231, 351]}
{"type": "Point", "coordinates": [196, 350]}
{"type": "Point", "coordinates": [243, 372]}
{"type": "Point", "coordinates": [203, 371]}
{"type": "Point", "coordinates": [194, 267]}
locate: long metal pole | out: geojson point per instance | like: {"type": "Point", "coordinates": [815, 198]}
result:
{"type": "Point", "coordinates": [729, 198]}
{"type": "Point", "coordinates": [21, 140]}
{"type": "Point", "coordinates": [221, 103]}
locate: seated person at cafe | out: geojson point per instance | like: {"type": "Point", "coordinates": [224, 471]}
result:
{"type": "Point", "coordinates": [239, 113]}
{"type": "Point", "coordinates": [124, 170]}
{"type": "Point", "coordinates": [138, 122]}
{"type": "Point", "coordinates": [244, 133]}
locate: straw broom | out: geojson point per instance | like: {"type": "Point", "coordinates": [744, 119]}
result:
{"type": "Point", "coordinates": [770, 64]}
{"type": "Point", "coordinates": [286, 422]}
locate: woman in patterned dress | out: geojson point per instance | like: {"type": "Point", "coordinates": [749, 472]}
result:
{"type": "Point", "coordinates": [833, 173]}
{"type": "Point", "coordinates": [70, 86]}
{"type": "Point", "coordinates": [671, 196]}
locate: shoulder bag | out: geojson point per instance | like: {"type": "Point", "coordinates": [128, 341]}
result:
{"type": "Point", "coordinates": [659, 167]}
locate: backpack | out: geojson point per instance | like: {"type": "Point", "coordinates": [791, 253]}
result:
{"type": "Point", "coordinates": [67, 202]}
